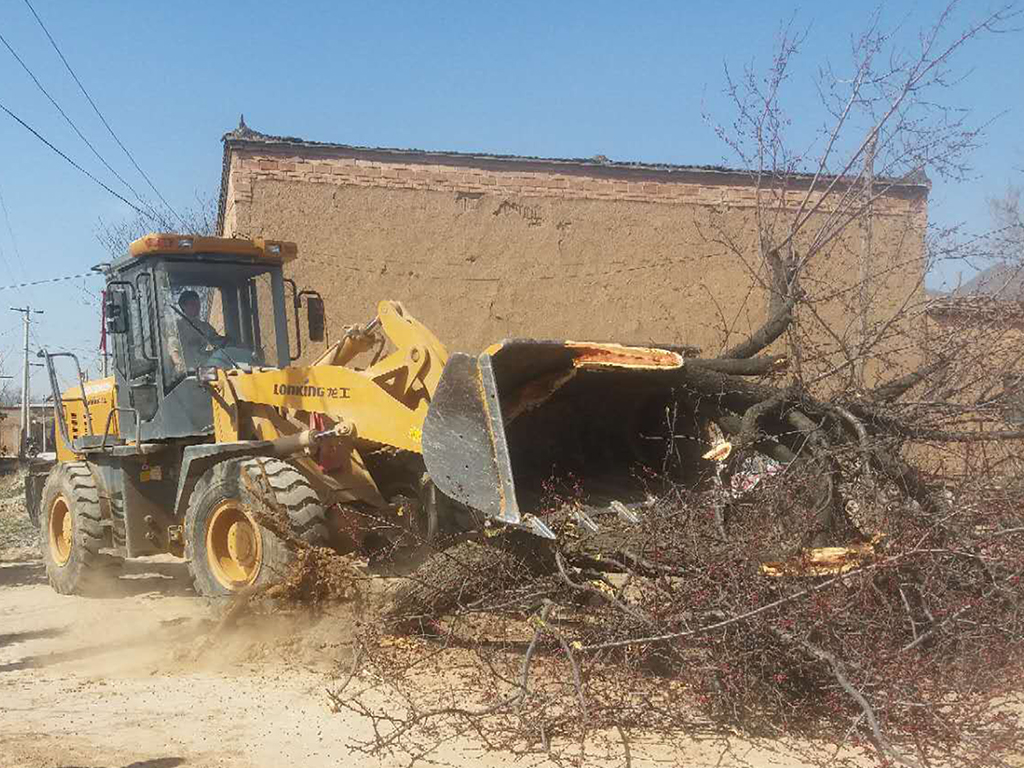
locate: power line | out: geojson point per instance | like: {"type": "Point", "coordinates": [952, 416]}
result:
{"type": "Point", "coordinates": [153, 215]}
{"type": "Point", "coordinates": [18, 286]}
{"type": "Point", "coordinates": [100, 114]}
{"type": "Point", "coordinates": [39, 136]}
{"type": "Point", "coordinates": [14, 242]}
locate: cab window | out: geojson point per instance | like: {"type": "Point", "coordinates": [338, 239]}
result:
{"type": "Point", "coordinates": [215, 315]}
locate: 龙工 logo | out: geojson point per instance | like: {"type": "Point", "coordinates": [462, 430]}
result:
{"type": "Point", "coordinates": [309, 390]}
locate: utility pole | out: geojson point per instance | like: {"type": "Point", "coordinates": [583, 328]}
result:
{"type": "Point", "coordinates": [26, 313]}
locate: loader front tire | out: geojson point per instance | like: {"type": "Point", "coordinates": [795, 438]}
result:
{"type": "Point", "coordinates": [227, 549]}
{"type": "Point", "coordinates": [71, 532]}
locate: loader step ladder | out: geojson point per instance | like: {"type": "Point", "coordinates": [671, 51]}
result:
{"type": "Point", "coordinates": [90, 441]}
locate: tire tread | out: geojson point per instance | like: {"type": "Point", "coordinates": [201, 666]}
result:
{"type": "Point", "coordinates": [291, 490]}
{"type": "Point", "coordinates": [89, 570]}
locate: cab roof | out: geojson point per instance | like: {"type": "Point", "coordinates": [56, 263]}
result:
{"type": "Point", "coordinates": [171, 244]}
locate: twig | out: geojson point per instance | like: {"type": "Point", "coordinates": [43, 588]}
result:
{"type": "Point", "coordinates": [724, 622]}
{"type": "Point", "coordinates": [576, 676]}
{"type": "Point", "coordinates": [891, 390]}
{"type": "Point", "coordinates": [862, 437]}
{"type": "Point", "coordinates": [751, 366]}
{"type": "Point", "coordinates": [335, 695]}
{"type": "Point", "coordinates": [884, 747]}
{"type": "Point", "coordinates": [524, 675]}
{"type": "Point", "coordinates": [764, 335]}
{"type": "Point", "coordinates": [957, 614]}
{"type": "Point", "coordinates": [625, 746]}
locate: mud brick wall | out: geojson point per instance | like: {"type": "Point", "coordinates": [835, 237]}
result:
{"type": "Point", "coordinates": [485, 248]}
{"type": "Point", "coordinates": [987, 335]}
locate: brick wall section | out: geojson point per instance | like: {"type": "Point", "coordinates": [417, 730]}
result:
{"type": "Point", "coordinates": [482, 248]}
{"type": "Point", "coordinates": [249, 167]}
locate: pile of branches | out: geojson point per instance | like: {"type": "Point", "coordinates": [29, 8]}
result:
{"type": "Point", "coordinates": [908, 645]}
{"type": "Point", "coordinates": [850, 598]}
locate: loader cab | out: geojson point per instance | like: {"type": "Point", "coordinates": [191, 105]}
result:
{"type": "Point", "coordinates": [177, 304]}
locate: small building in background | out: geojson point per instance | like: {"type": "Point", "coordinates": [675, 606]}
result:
{"type": "Point", "coordinates": [41, 432]}
{"type": "Point", "coordinates": [979, 328]}
{"type": "Point", "coordinates": [984, 319]}
{"type": "Point", "coordinates": [10, 430]}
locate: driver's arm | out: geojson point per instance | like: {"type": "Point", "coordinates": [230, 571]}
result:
{"type": "Point", "coordinates": [186, 347]}
{"type": "Point", "coordinates": [211, 332]}
{"type": "Point", "coordinates": [175, 353]}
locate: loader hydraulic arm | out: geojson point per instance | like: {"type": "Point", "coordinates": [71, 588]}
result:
{"type": "Point", "coordinates": [356, 340]}
{"type": "Point", "coordinates": [385, 403]}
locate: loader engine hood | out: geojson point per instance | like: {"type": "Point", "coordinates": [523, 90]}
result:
{"type": "Point", "coordinates": [529, 419]}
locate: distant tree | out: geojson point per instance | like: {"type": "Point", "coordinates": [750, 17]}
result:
{"type": "Point", "coordinates": [1008, 223]}
{"type": "Point", "coordinates": [10, 395]}
{"type": "Point", "coordinates": [199, 219]}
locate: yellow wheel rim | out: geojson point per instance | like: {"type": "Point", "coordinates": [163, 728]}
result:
{"type": "Point", "coordinates": [60, 531]}
{"type": "Point", "coordinates": [234, 547]}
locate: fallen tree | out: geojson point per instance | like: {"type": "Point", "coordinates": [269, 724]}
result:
{"type": "Point", "coordinates": [844, 566]}
{"type": "Point", "coordinates": [814, 579]}
{"type": "Point", "coordinates": [714, 611]}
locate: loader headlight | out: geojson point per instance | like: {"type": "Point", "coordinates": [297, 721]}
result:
{"type": "Point", "coordinates": [206, 374]}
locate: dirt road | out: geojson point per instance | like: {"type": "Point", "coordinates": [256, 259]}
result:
{"type": "Point", "coordinates": [134, 680]}
{"type": "Point", "coordinates": [118, 682]}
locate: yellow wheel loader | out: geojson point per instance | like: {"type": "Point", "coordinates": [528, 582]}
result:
{"type": "Point", "coordinates": [381, 441]}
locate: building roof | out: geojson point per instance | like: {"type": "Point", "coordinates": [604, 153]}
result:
{"type": "Point", "coordinates": [1000, 281]}
{"type": "Point", "coordinates": [994, 294]}
{"type": "Point", "coordinates": [244, 137]}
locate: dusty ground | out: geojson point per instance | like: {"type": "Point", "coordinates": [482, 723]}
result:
{"type": "Point", "coordinates": [125, 681]}
{"type": "Point", "coordinates": [17, 534]}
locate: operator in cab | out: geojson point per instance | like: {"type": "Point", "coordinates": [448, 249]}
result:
{"type": "Point", "coordinates": [196, 335]}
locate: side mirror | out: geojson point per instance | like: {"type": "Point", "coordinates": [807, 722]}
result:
{"type": "Point", "coordinates": [315, 318]}
{"type": "Point", "coordinates": [115, 312]}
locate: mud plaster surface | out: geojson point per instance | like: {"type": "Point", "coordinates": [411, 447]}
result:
{"type": "Point", "coordinates": [476, 269]}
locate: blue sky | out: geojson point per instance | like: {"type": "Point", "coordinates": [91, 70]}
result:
{"type": "Point", "coordinates": [576, 79]}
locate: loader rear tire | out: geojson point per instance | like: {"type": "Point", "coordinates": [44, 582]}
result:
{"type": "Point", "coordinates": [461, 574]}
{"type": "Point", "coordinates": [227, 549]}
{"type": "Point", "coordinates": [71, 532]}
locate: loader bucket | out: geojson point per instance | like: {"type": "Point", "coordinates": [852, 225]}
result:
{"type": "Point", "coordinates": [599, 423]}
